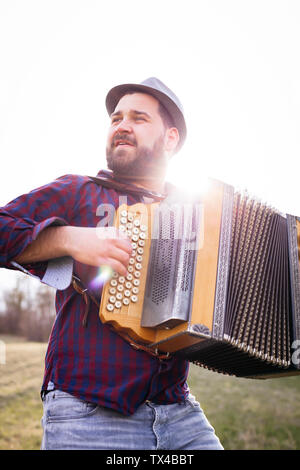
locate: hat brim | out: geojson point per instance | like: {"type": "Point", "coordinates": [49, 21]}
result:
{"type": "Point", "coordinates": [116, 93]}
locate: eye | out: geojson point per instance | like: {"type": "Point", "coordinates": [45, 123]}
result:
{"type": "Point", "coordinates": [115, 120]}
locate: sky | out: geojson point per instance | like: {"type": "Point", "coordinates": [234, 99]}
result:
{"type": "Point", "coordinates": [233, 64]}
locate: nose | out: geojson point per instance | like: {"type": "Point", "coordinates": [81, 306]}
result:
{"type": "Point", "coordinates": [124, 126]}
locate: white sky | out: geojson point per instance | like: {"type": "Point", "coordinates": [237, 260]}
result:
{"type": "Point", "coordinates": [234, 65]}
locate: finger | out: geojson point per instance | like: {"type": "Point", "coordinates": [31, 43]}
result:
{"type": "Point", "coordinates": [116, 266]}
{"type": "Point", "coordinates": [120, 255]}
{"type": "Point", "coordinates": [123, 244]}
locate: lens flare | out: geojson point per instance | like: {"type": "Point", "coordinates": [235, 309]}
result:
{"type": "Point", "coordinates": [104, 274]}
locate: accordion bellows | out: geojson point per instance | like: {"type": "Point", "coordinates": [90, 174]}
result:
{"type": "Point", "coordinates": [215, 281]}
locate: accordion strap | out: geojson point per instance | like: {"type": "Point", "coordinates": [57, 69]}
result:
{"type": "Point", "coordinates": [106, 180]}
{"type": "Point", "coordinates": [87, 296]}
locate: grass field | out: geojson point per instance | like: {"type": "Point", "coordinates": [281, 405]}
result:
{"type": "Point", "coordinates": [246, 414]}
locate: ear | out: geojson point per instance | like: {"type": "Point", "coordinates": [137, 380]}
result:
{"type": "Point", "coordinates": [171, 139]}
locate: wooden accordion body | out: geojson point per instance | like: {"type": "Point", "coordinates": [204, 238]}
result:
{"type": "Point", "coordinates": [216, 281]}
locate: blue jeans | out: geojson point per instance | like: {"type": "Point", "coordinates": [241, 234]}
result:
{"type": "Point", "coordinates": [70, 423]}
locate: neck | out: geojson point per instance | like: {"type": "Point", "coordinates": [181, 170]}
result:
{"type": "Point", "coordinates": [154, 183]}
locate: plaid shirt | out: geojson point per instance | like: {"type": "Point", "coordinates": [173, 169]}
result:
{"type": "Point", "coordinates": [93, 363]}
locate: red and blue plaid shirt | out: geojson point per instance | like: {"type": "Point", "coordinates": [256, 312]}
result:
{"type": "Point", "coordinates": [93, 362]}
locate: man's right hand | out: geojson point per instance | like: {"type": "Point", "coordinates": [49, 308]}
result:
{"type": "Point", "coordinates": [92, 246]}
{"type": "Point", "coordinates": [99, 246]}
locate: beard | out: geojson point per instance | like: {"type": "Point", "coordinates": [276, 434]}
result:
{"type": "Point", "coordinates": [138, 161]}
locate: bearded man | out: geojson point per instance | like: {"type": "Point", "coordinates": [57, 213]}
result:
{"type": "Point", "coordinates": [98, 391]}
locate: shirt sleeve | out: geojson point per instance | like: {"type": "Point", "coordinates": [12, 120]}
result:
{"type": "Point", "coordinates": [24, 218]}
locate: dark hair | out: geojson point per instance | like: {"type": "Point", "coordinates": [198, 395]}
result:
{"type": "Point", "coordinates": [165, 115]}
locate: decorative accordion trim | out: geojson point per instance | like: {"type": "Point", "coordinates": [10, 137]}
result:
{"type": "Point", "coordinates": [223, 263]}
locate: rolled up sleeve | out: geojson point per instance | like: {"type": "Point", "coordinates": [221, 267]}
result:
{"type": "Point", "coordinates": [24, 218]}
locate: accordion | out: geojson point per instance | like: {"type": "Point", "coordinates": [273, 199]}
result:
{"type": "Point", "coordinates": [215, 281]}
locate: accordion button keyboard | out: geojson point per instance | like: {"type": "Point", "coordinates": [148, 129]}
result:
{"type": "Point", "coordinates": [124, 290]}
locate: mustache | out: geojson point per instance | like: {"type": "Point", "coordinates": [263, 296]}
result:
{"type": "Point", "coordinates": [129, 139]}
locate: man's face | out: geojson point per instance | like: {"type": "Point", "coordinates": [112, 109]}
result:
{"type": "Point", "coordinates": [136, 137]}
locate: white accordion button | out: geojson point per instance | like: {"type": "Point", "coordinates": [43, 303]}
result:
{"type": "Point", "coordinates": [127, 293]}
{"type": "Point", "coordinates": [122, 279]}
{"type": "Point", "coordinates": [113, 282]}
{"type": "Point", "coordinates": [118, 304]}
{"type": "Point", "coordinates": [112, 299]}
{"type": "Point", "coordinates": [126, 301]}
{"type": "Point", "coordinates": [119, 296]}
{"type": "Point", "coordinates": [112, 290]}
{"type": "Point", "coordinates": [134, 298]}
{"type": "Point", "coordinates": [110, 307]}
{"type": "Point", "coordinates": [136, 282]}
{"type": "Point", "coordinates": [124, 213]}
{"type": "Point", "coordinates": [120, 287]}
{"type": "Point", "coordinates": [135, 290]}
